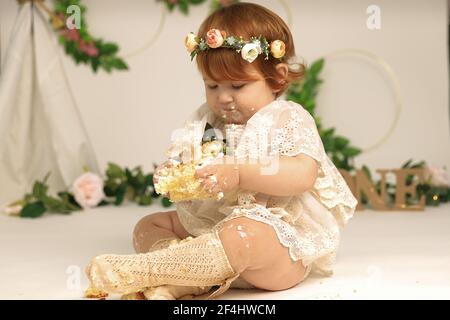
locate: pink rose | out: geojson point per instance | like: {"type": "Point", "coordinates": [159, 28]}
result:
{"type": "Point", "coordinates": [70, 34]}
{"type": "Point", "coordinates": [88, 190]}
{"type": "Point", "coordinates": [88, 48]}
{"type": "Point", "coordinates": [437, 176]}
{"type": "Point", "coordinates": [215, 38]}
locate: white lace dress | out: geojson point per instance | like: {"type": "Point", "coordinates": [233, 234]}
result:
{"type": "Point", "coordinates": [308, 223]}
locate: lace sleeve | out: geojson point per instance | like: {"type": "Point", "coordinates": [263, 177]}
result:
{"type": "Point", "coordinates": [296, 132]}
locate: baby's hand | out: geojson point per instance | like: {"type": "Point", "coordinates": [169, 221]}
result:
{"type": "Point", "coordinates": [157, 173]}
{"type": "Point", "coordinates": [219, 176]}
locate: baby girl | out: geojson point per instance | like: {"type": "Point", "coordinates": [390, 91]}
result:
{"type": "Point", "coordinates": [280, 218]}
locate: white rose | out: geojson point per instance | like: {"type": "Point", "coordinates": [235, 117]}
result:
{"type": "Point", "coordinates": [88, 190]}
{"type": "Point", "coordinates": [251, 51]}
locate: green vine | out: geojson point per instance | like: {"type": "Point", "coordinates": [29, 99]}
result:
{"type": "Point", "coordinates": [182, 5]}
{"type": "Point", "coordinates": [119, 184]}
{"type": "Point", "coordinates": [218, 4]}
{"type": "Point", "coordinates": [304, 93]}
{"type": "Point", "coordinates": [80, 44]}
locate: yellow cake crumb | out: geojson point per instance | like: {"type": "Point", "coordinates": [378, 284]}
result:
{"type": "Point", "coordinates": [93, 293]}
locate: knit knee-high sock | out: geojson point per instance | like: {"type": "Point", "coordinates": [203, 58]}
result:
{"type": "Point", "coordinates": [197, 262]}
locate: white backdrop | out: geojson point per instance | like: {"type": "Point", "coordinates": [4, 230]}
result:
{"type": "Point", "coordinates": [129, 115]}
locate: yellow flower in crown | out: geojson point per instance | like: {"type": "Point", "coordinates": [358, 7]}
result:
{"type": "Point", "coordinates": [249, 50]}
{"type": "Point", "coordinates": [278, 48]}
{"type": "Point", "coordinates": [191, 42]}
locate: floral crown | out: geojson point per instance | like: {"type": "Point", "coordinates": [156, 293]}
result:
{"type": "Point", "coordinates": [249, 50]}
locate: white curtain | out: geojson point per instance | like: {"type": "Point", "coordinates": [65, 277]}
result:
{"type": "Point", "coordinates": [41, 129]}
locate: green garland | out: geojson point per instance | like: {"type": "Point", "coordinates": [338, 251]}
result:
{"type": "Point", "coordinates": [80, 44]}
{"type": "Point", "coordinates": [119, 184]}
{"type": "Point", "coordinates": [182, 5]}
{"type": "Point", "coordinates": [218, 4]}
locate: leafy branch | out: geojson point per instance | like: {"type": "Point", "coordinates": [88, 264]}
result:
{"type": "Point", "coordinates": [80, 44]}
{"type": "Point", "coordinates": [120, 184]}
{"type": "Point", "coordinates": [304, 93]}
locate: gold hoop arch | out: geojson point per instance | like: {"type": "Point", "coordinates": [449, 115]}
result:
{"type": "Point", "coordinates": [395, 86]}
{"type": "Point", "coordinates": [287, 8]}
{"type": "Point", "coordinates": [153, 38]}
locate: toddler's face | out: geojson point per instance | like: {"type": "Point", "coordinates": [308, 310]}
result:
{"type": "Point", "coordinates": [237, 101]}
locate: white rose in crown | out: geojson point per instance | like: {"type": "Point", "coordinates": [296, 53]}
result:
{"type": "Point", "coordinates": [88, 190]}
{"type": "Point", "coordinates": [191, 42]}
{"type": "Point", "coordinates": [437, 176]}
{"type": "Point", "coordinates": [251, 51]}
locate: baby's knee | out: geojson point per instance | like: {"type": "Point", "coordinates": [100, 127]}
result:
{"type": "Point", "coordinates": [142, 224]}
{"type": "Point", "coordinates": [238, 230]}
{"type": "Point", "coordinates": [158, 219]}
{"type": "Point", "coordinates": [146, 226]}
{"type": "Point", "coordinates": [242, 239]}
{"type": "Point", "coordinates": [244, 229]}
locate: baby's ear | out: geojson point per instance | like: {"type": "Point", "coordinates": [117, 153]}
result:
{"type": "Point", "coordinates": [282, 70]}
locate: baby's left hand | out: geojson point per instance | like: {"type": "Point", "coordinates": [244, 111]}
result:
{"type": "Point", "coordinates": [219, 176]}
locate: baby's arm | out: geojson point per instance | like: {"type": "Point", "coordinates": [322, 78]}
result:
{"type": "Point", "coordinates": [293, 176]}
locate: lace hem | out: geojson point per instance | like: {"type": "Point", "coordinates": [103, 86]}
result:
{"type": "Point", "coordinates": [305, 247]}
{"type": "Point", "coordinates": [331, 189]}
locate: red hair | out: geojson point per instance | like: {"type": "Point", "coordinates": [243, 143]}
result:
{"type": "Point", "coordinates": [247, 20]}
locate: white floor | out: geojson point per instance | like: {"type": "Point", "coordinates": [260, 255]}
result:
{"type": "Point", "coordinates": [383, 255]}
